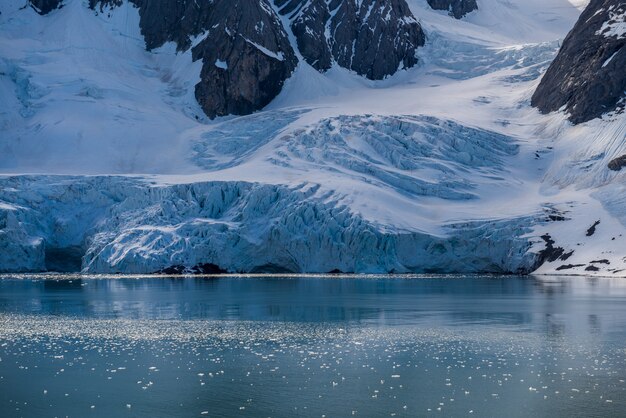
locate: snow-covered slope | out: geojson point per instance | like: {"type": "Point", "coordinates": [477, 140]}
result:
{"type": "Point", "coordinates": [110, 164]}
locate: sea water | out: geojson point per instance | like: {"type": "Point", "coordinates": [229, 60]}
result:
{"type": "Point", "coordinates": [312, 346]}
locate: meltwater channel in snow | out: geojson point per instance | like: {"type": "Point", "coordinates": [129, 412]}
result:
{"type": "Point", "coordinates": [369, 346]}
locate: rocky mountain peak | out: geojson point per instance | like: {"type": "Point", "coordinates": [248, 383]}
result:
{"type": "Point", "coordinates": [374, 38]}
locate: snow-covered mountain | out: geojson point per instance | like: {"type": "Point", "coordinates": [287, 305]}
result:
{"type": "Point", "coordinates": [392, 136]}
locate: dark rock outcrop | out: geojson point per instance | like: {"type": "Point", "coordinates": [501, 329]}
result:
{"type": "Point", "coordinates": [550, 253]}
{"type": "Point", "coordinates": [244, 48]}
{"type": "Point", "coordinates": [247, 58]}
{"type": "Point", "coordinates": [371, 37]}
{"type": "Point", "coordinates": [456, 8]}
{"type": "Point", "coordinates": [618, 163]}
{"type": "Point", "coordinates": [569, 266]}
{"type": "Point", "coordinates": [206, 268]}
{"type": "Point", "coordinates": [43, 7]}
{"type": "Point", "coordinates": [588, 77]}
{"type": "Point", "coordinates": [592, 228]}
{"type": "Point", "coordinates": [172, 270]}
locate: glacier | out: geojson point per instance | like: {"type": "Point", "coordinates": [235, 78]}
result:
{"type": "Point", "coordinates": [123, 225]}
{"type": "Point", "coordinates": [108, 165]}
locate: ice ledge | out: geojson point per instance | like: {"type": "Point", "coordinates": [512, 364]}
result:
{"type": "Point", "coordinates": [128, 225]}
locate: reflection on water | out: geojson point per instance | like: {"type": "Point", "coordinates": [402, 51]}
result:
{"type": "Point", "coordinates": [302, 346]}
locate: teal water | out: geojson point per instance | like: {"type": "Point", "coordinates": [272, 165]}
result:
{"type": "Point", "coordinates": [312, 346]}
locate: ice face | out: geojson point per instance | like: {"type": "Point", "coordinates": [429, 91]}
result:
{"type": "Point", "coordinates": [131, 226]}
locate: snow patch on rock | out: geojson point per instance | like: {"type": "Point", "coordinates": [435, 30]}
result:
{"type": "Point", "coordinates": [616, 25]}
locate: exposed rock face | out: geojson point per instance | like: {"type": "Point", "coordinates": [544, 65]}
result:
{"type": "Point", "coordinates": [245, 50]}
{"type": "Point", "coordinates": [618, 163]}
{"type": "Point", "coordinates": [588, 76]}
{"type": "Point", "coordinates": [371, 37]}
{"type": "Point", "coordinates": [247, 58]}
{"type": "Point", "coordinates": [308, 24]}
{"type": "Point", "coordinates": [456, 8]}
{"type": "Point", "coordinates": [44, 7]}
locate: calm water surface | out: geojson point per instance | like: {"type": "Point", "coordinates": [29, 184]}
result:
{"type": "Point", "coordinates": [312, 346]}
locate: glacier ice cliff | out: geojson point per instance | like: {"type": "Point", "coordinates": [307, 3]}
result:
{"type": "Point", "coordinates": [130, 225]}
